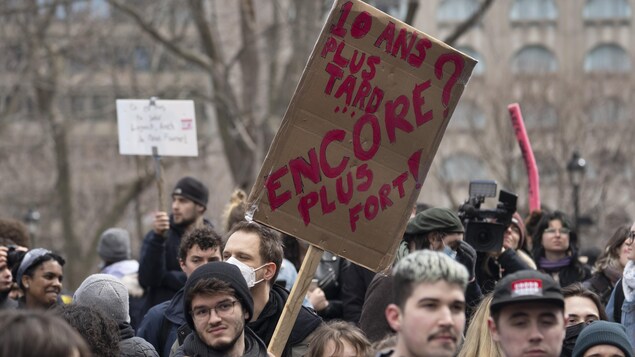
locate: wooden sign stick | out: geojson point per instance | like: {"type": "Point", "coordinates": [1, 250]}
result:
{"type": "Point", "coordinates": [294, 301]}
{"type": "Point", "coordinates": [158, 176]}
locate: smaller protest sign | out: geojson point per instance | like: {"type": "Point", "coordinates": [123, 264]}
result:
{"type": "Point", "coordinates": [169, 126]}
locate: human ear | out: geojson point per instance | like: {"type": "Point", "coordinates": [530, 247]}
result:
{"type": "Point", "coordinates": [491, 324]}
{"type": "Point", "coordinates": [269, 271]}
{"type": "Point", "coordinates": [26, 281]}
{"type": "Point", "coordinates": [393, 316]}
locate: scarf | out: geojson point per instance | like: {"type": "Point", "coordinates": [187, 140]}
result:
{"type": "Point", "coordinates": [628, 281]}
{"type": "Point", "coordinates": [551, 266]}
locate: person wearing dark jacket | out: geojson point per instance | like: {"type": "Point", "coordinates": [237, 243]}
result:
{"type": "Point", "coordinates": [257, 251]}
{"type": "Point", "coordinates": [556, 250]}
{"type": "Point", "coordinates": [219, 305]}
{"type": "Point", "coordinates": [161, 324]}
{"type": "Point", "coordinates": [437, 229]}
{"type": "Point", "coordinates": [326, 297]}
{"type": "Point", "coordinates": [159, 271]}
{"type": "Point", "coordinates": [109, 295]}
{"type": "Point", "coordinates": [6, 281]}
{"type": "Point", "coordinates": [356, 280]}
{"type": "Point", "coordinates": [512, 258]}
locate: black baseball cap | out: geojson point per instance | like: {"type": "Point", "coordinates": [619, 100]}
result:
{"type": "Point", "coordinates": [526, 286]}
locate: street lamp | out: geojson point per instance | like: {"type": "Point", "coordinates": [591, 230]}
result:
{"type": "Point", "coordinates": [32, 220]}
{"type": "Point", "coordinates": [576, 168]}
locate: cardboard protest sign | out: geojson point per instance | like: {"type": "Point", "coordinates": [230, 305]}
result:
{"type": "Point", "coordinates": [359, 136]}
{"type": "Point", "coordinates": [168, 125]}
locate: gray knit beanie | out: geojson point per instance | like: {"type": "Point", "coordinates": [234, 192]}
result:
{"type": "Point", "coordinates": [602, 333]}
{"type": "Point", "coordinates": [106, 293]}
{"type": "Point", "coordinates": [114, 245]}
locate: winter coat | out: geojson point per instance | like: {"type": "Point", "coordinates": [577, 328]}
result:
{"type": "Point", "coordinates": [131, 346]}
{"type": "Point", "coordinates": [306, 322]}
{"type": "Point", "coordinates": [356, 280]}
{"type": "Point", "coordinates": [159, 326]}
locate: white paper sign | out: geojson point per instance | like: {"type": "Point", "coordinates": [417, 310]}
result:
{"type": "Point", "coordinates": [168, 125]}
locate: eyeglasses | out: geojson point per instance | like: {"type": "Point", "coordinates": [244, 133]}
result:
{"type": "Point", "coordinates": [222, 309]}
{"type": "Point", "coordinates": [561, 230]}
{"type": "Point", "coordinates": [630, 238]}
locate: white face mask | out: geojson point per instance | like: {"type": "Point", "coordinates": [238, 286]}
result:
{"type": "Point", "coordinates": [248, 272]}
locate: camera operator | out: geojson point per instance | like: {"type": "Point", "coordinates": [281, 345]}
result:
{"type": "Point", "coordinates": [494, 266]}
{"type": "Point", "coordinates": [10, 254]}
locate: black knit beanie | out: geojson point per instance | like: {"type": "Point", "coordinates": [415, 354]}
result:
{"type": "Point", "coordinates": [192, 189]}
{"type": "Point", "coordinates": [602, 333]}
{"type": "Point", "coordinates": [222, 271]}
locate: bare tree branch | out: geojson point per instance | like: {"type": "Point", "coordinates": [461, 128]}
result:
{"type": "Point", "coordinates": [469, 23]}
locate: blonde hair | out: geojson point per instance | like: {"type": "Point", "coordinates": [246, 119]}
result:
{"type": "Point", "coordinates": [478, 340]}
{"type": "Point", "coordinates": [235, 210]}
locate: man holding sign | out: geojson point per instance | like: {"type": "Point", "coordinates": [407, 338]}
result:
{"type": "Point", "coordinates": [257, 251]}
{"type": "Point", "coordinates": [159, 270]}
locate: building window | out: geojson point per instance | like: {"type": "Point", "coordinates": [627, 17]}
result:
{"type": "Point", "coordinates": [608, 111]}
{"type": "Point", "coordinates": [606, 10]}
{"type": "Point", "coordinates": [462, 167]}
{"type": "Point", "coordinates": [533, 10]}
{"type": "Point", "coordinates": [609, 58]}
{"type": "Point", "coordinates": [480, 66]}
{"type": "Point", "coordinates": [534, 59]}
{"type": "Point", "coordinates": [466, 116]}
{"type": "Point", "coordinates": [539, 114]}
{"type": "Point", "coordinates": [456, 10]}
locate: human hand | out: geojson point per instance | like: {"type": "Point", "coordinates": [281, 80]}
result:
{"type": "Point", "coordinates": [318, 299]}
{"type": "Point", "coordinates": [161, 223]}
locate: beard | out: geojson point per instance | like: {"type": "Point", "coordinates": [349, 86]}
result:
{"type": "Point", "coordinates": [185, 222]}
{"type": "Point", "coordinates": [227, 346]}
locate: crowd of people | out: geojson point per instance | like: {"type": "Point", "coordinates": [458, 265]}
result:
{"type": "Point", "coordinates": [195, 292]}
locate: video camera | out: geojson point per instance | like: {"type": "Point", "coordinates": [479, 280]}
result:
{"type": "Point", "coordinates": [485, 228]}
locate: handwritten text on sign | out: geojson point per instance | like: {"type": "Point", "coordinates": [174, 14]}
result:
{"type": "Point", "coordinates": [169, 125]}
{"type": "Point", "coordinates": [361, 131]}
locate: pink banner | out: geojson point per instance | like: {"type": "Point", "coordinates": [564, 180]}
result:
{"type": "Point", "coordinates": [528, 156]}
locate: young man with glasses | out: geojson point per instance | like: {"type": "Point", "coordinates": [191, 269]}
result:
{"type": "Point", "coordinates": [218, 306]}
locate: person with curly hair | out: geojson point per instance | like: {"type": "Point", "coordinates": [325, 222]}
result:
{"type": "Point", "coordinates": [97, 329]}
